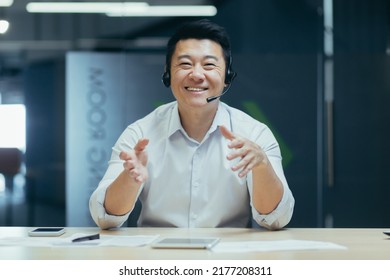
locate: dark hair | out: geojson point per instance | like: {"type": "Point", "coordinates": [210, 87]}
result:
{"type": "Point", "coordinates": [201, 29]}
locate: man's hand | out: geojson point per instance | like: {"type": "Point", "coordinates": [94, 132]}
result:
{"type": "Point", "coordinates": [136, 161]}
{"type": "Point", "coordinates": [121, 195]}
{"type": "Point", "coordinates": [250, 153]}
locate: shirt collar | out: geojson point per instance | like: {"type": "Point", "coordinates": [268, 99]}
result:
{"type": "Point", "coordinates": [221, 118]}
{"type": "Point", "coordinates": [175, 123]}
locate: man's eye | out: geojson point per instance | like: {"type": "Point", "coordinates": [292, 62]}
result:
{"type": "Point", "coordinates": [185, 64]}
{"type": "Point", "coordinates": [209, 66]}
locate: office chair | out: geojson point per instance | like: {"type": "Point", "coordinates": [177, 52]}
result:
{"type": "Point", "coordinates": [10, 164]}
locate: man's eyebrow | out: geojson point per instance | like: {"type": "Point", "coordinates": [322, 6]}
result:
{"type": "Point", "coordinates": [183, 56]}
{"type": "Point", "coordinates": [211, 57]}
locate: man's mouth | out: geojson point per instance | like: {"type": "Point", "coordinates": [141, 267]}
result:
{"type": "Point", "coordinates": [195, 89]}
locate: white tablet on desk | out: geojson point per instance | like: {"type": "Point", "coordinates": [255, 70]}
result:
{"type": "Point", "coordinates": [185, 243]}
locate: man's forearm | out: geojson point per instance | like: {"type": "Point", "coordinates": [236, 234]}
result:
{"type": "Point", "coordinates": [121, 195]}
{"type": "Point", "coordinates": [267, 188]}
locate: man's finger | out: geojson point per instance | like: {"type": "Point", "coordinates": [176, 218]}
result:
{"type": "Point", "coordinates": [141, 144]}
{"type": "Point", "coordinates": [124, 156]}
{"type": "Point", "coordinates": [226, 132]}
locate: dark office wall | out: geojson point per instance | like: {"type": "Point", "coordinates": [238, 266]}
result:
{"type": "Point", "coordinates": [361, 187]}
{"type": "Point", "coordinates": [361, 26]}
{"type": "Point", "coordinates": [361, 190]}
{"type": "Point", "coordinates": [271, 26]}
{"type": "Point", "coordinates": [44, 89]}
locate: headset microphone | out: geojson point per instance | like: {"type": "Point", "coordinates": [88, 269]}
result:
{"type": "Point", "coordinates": [212, 98]}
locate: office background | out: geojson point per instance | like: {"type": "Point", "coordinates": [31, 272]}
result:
{"type": "Point", "coordinates": [318, 77]}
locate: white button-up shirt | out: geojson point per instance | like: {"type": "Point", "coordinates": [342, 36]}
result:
{"type": "Point", "coordinates": [191, 184]}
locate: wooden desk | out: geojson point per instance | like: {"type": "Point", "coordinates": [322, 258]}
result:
{"type": "Point", "coordinates": [362, 244]}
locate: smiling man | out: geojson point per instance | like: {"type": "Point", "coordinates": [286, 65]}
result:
{"type": "Point", "coordinates": [195, 162]}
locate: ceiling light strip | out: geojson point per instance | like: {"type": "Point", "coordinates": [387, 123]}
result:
{"type": "Point", "coordinates": [85, 7]}
{"type": "Point", "coordinates": [168, 11]}
{"type": "Point", "coordinates": [6, 3]}
{"type": "Point", "coordinates": [123, 9]}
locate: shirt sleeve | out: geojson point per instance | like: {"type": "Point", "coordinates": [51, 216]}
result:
{"type": "Point", "coordinates": [115, 167]}
{"type": "Point", "coordinates": [282, 214]}
{"type": "Point", "coordinates": [99, 214]}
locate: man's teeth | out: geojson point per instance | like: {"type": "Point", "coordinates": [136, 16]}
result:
{"type": "Point", "coordinates": [195, 89]}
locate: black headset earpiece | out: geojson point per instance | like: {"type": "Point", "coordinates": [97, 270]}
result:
{"type": "Point", "coordinates": [166, 78]}
{"type": "Point", "coordinates": [230, 74]}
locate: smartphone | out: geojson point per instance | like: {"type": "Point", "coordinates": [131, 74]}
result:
{"type": "Point", "coordinates": [47, 231]}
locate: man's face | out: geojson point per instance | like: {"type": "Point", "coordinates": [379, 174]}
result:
{"type": "Point", "coordinates": [197, 71]}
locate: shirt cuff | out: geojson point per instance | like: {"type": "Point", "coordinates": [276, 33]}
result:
{"type": "Point", "coordinates": [99, 213]}
{"type": "Point", "coordinates": [279, 217]}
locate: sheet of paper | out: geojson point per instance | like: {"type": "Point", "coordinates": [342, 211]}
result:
{"type": "Point", "coordinates": [105, 240]}
{"type": "Point", "coordinates": [275, 245]}
{"type": "Point", "coordinates": [27, 241]}
{"type": "Point", "coordinates": [132, 241]}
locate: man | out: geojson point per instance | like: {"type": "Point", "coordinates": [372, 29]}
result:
{"type": "Point", "coordinates": [195, 162]}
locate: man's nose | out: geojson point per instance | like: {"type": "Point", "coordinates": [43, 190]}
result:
{"type": "Point", "coordinates": [197, 73]}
